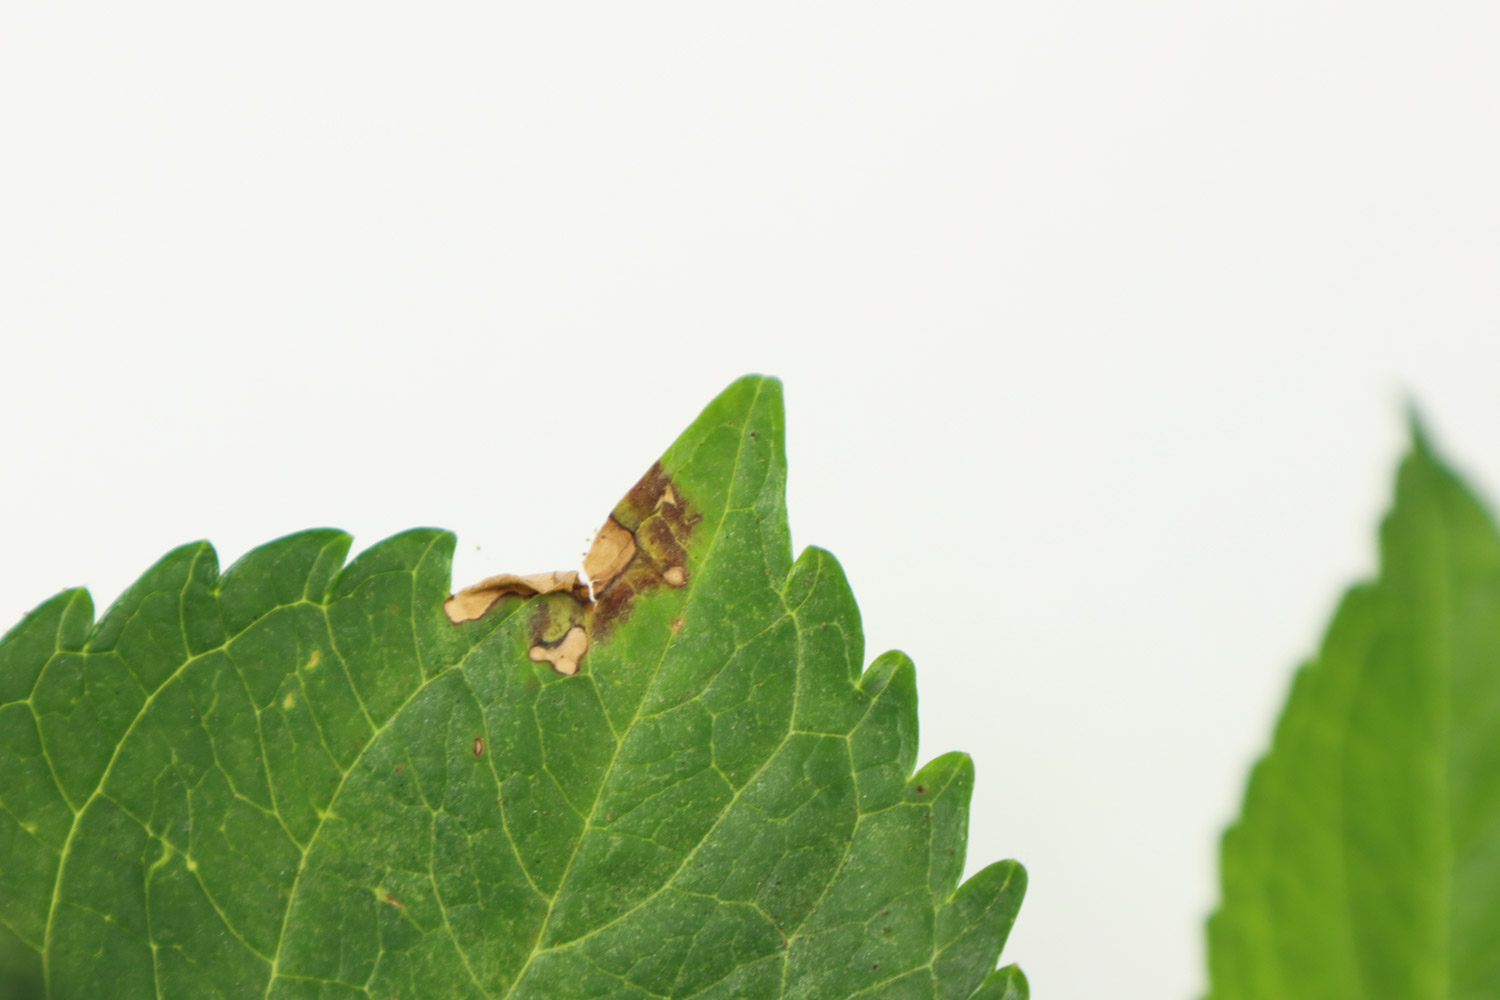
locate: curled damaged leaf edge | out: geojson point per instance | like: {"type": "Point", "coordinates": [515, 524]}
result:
{"type": "Point", "coordinates": [612, 551]}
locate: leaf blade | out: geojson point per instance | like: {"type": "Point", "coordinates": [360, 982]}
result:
{"type": "Point", "coordinates": [300, 778]}
{"type": "Point", "coordinates": [1367, 858]}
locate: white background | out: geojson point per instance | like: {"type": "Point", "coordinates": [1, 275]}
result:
{"type": "Point", "coordinates": [1096, 322]}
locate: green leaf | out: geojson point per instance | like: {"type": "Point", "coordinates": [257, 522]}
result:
{"type": "Point", "coordinates": [1367, 859]}
{"type": "Point", "coordinates": [301, 779]}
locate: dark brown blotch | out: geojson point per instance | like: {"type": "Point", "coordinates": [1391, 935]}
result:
{"type": "Point", "coordinates": [660, 521]}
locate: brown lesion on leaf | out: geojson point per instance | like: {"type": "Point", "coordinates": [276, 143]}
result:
{"type": "Point", "coordinates": [641, 546]}
{"type": "Point", "coordinates": [652, 489]}
{"type": "Point", "coordinates": [661, 522]}
{"type": "Point", "coordinates": [565, 654]}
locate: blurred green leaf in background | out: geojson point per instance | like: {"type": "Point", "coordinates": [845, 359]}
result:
{"type": "Point", "coordinates": [1366, 862]}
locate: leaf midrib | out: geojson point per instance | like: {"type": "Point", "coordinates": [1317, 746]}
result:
{"type": "Point", "coordinates": [609, 770]}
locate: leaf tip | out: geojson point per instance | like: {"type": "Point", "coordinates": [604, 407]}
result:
{"type": "Point", "coordinates": [1416, 427]}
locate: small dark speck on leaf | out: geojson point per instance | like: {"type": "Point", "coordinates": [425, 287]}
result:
{"type": "Point", "coordinates": [921, 790]}
{"type": "Point", "coordinates": [400, 768]}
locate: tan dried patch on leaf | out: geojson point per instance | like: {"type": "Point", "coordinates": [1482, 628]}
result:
{"type": "Point", "coordinates": [472, 603]}
{"type": "Point", "coordinates": [613, 549]}
{"type": "Point", "coordinates": [565, 654]}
